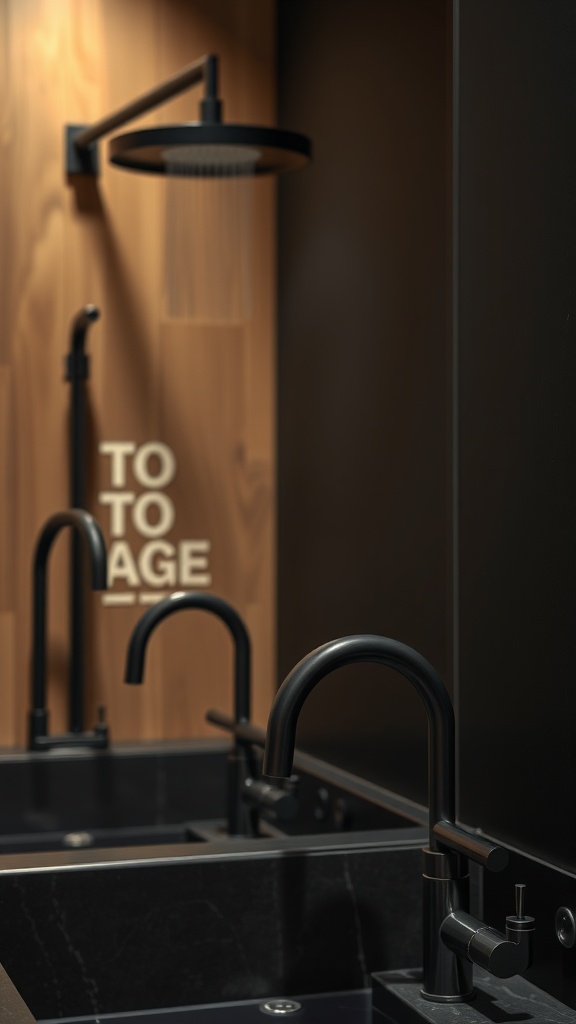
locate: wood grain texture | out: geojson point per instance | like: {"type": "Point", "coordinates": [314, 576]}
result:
{"type": "Point", "coordinates": [204, 390]}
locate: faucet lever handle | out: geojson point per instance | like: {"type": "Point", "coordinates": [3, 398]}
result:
{"type": "Point", "coordinates": [520, 928]}
{"type": "Point", "coordinates": [519, 892]}
{"type": "Point", "coordinates": [471, 845]}
{"type": "Point", "coordinates": [519, 922]}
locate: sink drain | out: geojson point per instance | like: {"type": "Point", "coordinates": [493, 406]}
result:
{"type": "Point", "coordinates": [78, 840]}
{"type": "Point", "coordinates": [280, 1007]}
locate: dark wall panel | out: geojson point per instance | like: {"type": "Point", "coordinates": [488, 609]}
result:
{"type": "Point", "coordinates": [517, 342]}
{"type": "Point", "coordinates": [364, 369]}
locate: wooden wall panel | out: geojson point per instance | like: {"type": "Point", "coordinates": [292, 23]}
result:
{"type": "Point", "coordinates": [205, 390]}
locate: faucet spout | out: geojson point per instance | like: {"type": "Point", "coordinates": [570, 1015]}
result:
{"type": "Point", "coordinates": [148, 622]}
{"type": "Point", "coordinates": [90, 533]}
{"type": "Point", "coordinates": [238, 767]}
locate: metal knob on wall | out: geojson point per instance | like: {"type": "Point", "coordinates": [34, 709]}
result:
{"type": "Point", "coordinates": [565, 923]}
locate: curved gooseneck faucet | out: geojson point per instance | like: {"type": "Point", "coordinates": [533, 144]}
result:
{"type": "Point", "coordinates": [88, 529]}
{"type": "Point", "coordinates": [134, 672]}
{"type": "Point", "coordinates": [210, 603]}
{"type": "Point", "coordinates": [281, 731]}
{"type": "Point", "coordinates": [452, 939]}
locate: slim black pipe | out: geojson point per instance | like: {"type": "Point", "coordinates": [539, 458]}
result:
{"type": "Point", "coordinates": [77, 372]}
{"type": "Point", "coordinates": [210, 603]}
{"type": "Point", "coordinates": [183, 79]}
{"type": "Point", "coordinates": [211, 106]}
{"type": "Point", "coordinates": [211, 76]}
{"type": "Point", "coordinates": [281, 731]}
{"type": "Point", "coordinates": [91, 534]}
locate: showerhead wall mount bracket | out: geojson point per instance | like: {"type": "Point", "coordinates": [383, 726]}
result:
{"type": "Point", "coordinates": [80, 160]}
{"type": "Point", "coordinates": [211, 147]}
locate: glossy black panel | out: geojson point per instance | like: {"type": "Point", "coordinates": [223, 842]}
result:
{"type": "Point", "coordinates": [517, 351]}
{"type": "Point", "coordinates": [363, 385]}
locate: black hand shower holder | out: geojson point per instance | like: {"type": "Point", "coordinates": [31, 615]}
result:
{"type": "Point", "coordinates": [85, 532]}
{"type": "Point", "coordinates": [77, 372]}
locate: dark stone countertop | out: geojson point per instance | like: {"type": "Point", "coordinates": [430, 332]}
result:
{"type": "Point", "coordinates": [397, 997]}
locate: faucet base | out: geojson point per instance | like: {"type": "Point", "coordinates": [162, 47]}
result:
{"type": "Point", "coordinates": [94, 740]}
{"type": "Point", "coordinates": [448, 999]}
{"type": "Point", "coordinates": [447, 975]}
{"type": "Point", "coordinates": [39, 738]}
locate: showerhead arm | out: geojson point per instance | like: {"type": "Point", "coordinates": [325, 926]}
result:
{"type": "Point", "coordinates": [81, 154]}
{"type": "Point", "coordinates": [204, 148]}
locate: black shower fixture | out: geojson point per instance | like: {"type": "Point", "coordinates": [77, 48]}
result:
{"type": "Point", "coordinates": [204, 148]}
{"type": "Point", "coordinates": [77, 372]}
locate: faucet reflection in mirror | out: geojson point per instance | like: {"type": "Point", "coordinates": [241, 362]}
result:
{"type": "Point", "coordinates": [452, 939]}
{"type": "Point", "coordinates": [246, 794]}
{"type": "Point", "coordinates": [90, 533]}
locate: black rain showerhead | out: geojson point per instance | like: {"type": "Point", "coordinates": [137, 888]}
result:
{"type": "Point", "coordinates": [210, 150]}
{"type": "Point", "coordinates": [207, 148]}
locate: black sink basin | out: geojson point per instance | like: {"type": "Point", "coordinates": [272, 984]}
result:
{"type": "Point", "coordinates": [169, 793]}
{"type": "Point", "coordinates": [495, 1000]}
{"type": "Point", "coordinates": [96, 932]}
{"type": "Point", "coordinates": [85, 839]}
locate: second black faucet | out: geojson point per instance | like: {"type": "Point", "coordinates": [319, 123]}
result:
{"type": "Point", "coordinates": [452, 939]}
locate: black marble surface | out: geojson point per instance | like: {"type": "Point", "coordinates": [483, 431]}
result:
{"type": "Point", "coordinates": [91, 938]}
{"type": "Point", "coordinates": [398, 1000]}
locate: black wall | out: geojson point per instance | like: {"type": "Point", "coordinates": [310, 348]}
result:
{"type": "Point", "coordinates": [364, 367]}
{"type": "Point", "coordinates": [367, 445]}
{"type": "Point", "coordinates": [365, 393]}
{"type": "Point", "coordinates": [517, 351]}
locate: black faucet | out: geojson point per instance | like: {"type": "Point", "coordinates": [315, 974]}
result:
{"type": "Point", "coordinates": [452, 939]}
{"type": "Point", "coordinates": [238, 758]}
{"type": "Point", "coordinates": [88, 529]}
